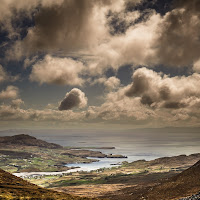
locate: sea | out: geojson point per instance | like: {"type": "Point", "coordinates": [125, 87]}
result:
{"type": "Point", "coordinates": [138, 144]}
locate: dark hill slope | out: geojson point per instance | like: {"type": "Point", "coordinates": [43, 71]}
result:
{"type": "Point", "coordinates": [26, 140]}
{"type": "Point", "coordinates": [12, 187]}
{"type": "Point", "coordinates": [182, 185]}
{"type": "Point", "coordinates": [185, 184]}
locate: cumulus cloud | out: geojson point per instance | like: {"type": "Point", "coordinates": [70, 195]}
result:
{"type": "Point", "coordinates": [196, 66]}
{"type": "Point", "coordinates": [12, 10]}
{"type": "Point", "coordinates": [157, 90]}
{"type": "Point", "coordinates": [112, 83]}
{"type": "Point", "coordinates": [109, 83]}
{"type": "Point", "coordinates": [99, 35]}
{"type": "Point", "coordinates": [178, 44]}
{"type": "Point", "coordinates": [74, 98]}
{"type": "Point", "coordinates": [133, 47]}
{"type": "Point", "coordinates": [58, 27]}
{"type": "Point", "coordinates": [29, 61]}
{"type": "Point", "coordinates": [154, 99]}
{"type": "Point", "coordinates": [171, 39]}
{"type": "Point", "coordinates": [16, 103]}
{"type": "Point", "coordinates": [64, 26]}
{"type": "Point", "coordinates": [60, 71]}
{"type": "Point", "coordinates": [12, 113]}
{"type": "Point", "coordinates": [11, 92]}
{"type": "Point", "coordinates": [68, 25]}
{"type": "Point", "coordinates": [119, 108]}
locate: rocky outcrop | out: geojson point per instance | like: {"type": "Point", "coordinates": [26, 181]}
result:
{"type": "Point", "coordinates": [193, 197]}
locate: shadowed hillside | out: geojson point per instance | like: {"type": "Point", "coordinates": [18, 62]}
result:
{"type": "Point", "coordinates": [185, 184]}
{"type": "Point", "coordinates": [12, 187]}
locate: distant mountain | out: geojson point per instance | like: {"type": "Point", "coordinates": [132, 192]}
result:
{"type": "Point", "coordinates": [26, 140]}
{"type": "Point", "coordinates": [12, 187]}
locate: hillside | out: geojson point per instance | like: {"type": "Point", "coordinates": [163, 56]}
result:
{"type": "Point", "coordinates": [181, 185]}
{"type": "Point", "coordinates": [26, 140]}
{"type": "Point", "coordinates": [12, 187]}
{"type": "Point", "coordinates": [185, 184]}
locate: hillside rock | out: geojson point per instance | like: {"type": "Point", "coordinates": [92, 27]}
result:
{"type": "Point", "coordinates": [193, 197]}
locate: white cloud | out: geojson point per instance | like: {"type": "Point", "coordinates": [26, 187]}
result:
{"type": "Point", "coordinates": [178, 42]}
{"type": "Point", "coordinates": [11, 9]}
{"type": "Point", "coordinates": [11, 92]}
{"type": "Point", "coordinates": [196, 66]}
{"type": "Point", "coordinates": [112, 83]}
{"type": "Point", "coordinates": [134, 47]}
{"type": "Point", "coordinates": [157, 90]}
{"type": "Point", "coordinates": [153, 99]}
{"type": "Point", "coordinates": [155, 40]}
{"type": "Point", "coordinates": [28, 62]}
{"type": "Point", "coordinates": [16, 103]}
{"type": "Point", "coordinates": [67, 25]}
{"type": "Point", "coordinates": [60, 71]}
{"type": "Point", "coordinates": [10, 113]}
{"type": "Point", "coordinates": [172, 39]}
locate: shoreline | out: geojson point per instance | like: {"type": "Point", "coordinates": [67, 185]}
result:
{"type": "Point", "coordinates": [95, 166]}
{"type": "Point", "coordinates": [71, 169]}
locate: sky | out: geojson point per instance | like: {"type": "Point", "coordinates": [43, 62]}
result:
{"type": "Point", "coordinates": [109, 64]}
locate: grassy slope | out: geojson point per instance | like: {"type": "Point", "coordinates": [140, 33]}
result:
{"type": "Point", "coordinates": [12, 187]}
{"type": "Point", "coordinates": [184, 184]}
